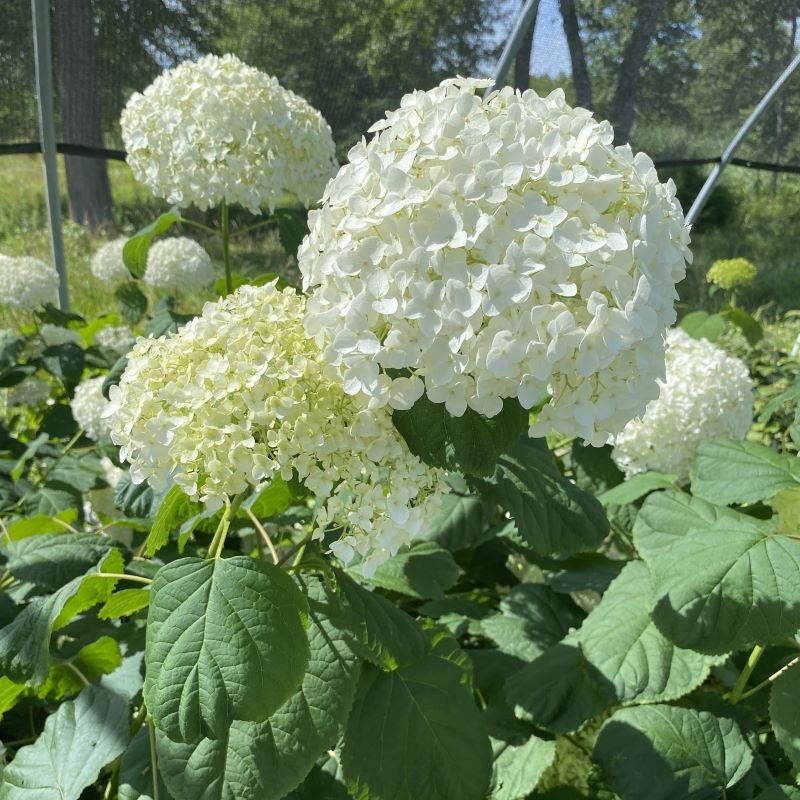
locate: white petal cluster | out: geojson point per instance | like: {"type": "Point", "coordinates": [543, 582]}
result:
{"type": "Point", "coordinates": [495, 248]}
{"type": "Point", "coordinates": [241, 394]}
{"type": "Point", "coordinates": [88, 407]}
{"type": "Point", "coordinates": [107, 264]}
{"type": "Point", "coordinates": [707, 395]}
{"type": "Point", "coordinates": [118, 337]}
{"type": "Point", "coordinates": [217, 129]}
{"type": "Point", "coordinates": [27, 283]}
{"type": "Point", "coordinates": [32, 392]}
{"type": "Point", "coordinates": [178, 264]}
{"type": "Point", "coordinates": [53, 335]}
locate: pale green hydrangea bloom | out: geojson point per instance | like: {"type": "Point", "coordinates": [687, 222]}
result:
{"type": "Point", "coordinates": [731, 273]}
{"type": "Point", "coordinates": [27, 283]}
{"type": "Point", "coordinates": [107, 264]}
{"type": "Point", "coordinates": [241, 394]}
{"type": "Point", "coordinates": [178, 264]}
{"type": "Point", "coordinates": [88, 406]}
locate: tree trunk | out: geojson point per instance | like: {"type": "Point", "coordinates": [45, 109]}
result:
{"type": "Point", "coordinates": [88, 187]}
{"type": "Point", "coordinates": [644, 27]}
{"type": "Point", "coordinates": [580, 72]}
{"type": "Point", "coordinates": [522, 62]}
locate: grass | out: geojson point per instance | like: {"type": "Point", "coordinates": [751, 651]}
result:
{"type": "Point", "coordinates": [24, 231]}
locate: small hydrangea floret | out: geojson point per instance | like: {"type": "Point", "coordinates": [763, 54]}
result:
{"type": "Point", "coordinates": [706, 395]}
{"type": "Point", "coordinates": [88, 406]}
{"type": "Point", "coordinates": [731, 273]}
{"type": "Point", "coordinates": [178, 264]}
{"type": "Point", "coordinates": [240, 395]}
{"type": "Point", "coordinates": [27, 283]}
{"type": "Point", "coordinates": [216, 129]}
{"type": "Point", "coordinates": [107, 263]}
{"type": "Point", "coordinates": [481, 249]}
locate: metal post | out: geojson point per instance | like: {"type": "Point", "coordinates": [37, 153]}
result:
{"type": "Point", "coordinates": [43, 55]}
{"type": "Point", "coordinates": [526, 16]}
{"type": "Point", "coordinates": [713, 178]}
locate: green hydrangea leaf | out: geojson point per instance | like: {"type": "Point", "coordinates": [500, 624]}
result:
{"type": "Point", "coordinates": [784, 712]}
{"type": "Point", "coordinates": [175, 509]}
{"type": "Point", "coordinates": [225, 641]}
{"type": "Point", "coordinates": [666, 752]}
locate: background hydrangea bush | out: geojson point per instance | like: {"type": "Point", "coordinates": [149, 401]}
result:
{"type": "Point", "coordinates": [369, 540]}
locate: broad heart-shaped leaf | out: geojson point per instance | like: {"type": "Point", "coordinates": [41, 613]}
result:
{"type": "Point", "coordinates": [533, 618]}
{"type": "Point", "coordinates": [662, 752]}
{"type": "Point", "coordinates": [559, 690]}
{"type": "Point", "coordinates": [416, 734]}
{"type": "Point", "coordinates": [124, 602]}
{"type": "Point", "coordinates": [25, 642]}
{"type": "Point", "coordinates": [727, 588]}
{"type": "Point", "coordinates": [50, 561]}
{"type": "Point", "coordinates": [387, 636]}
{"type": "Point", "coordinates": [461, 523]}
{"type": "Point", "coordinates": [136, 771]}
{"type": "Point", "coordinates": [728, 471]}
{"type": "Point", "coordinates": [265, 760]}
{"type": "Point", "coordinates": [52, 498]}
{"type": "Point", "coordinates": [784, 712]}
{"type": "Point", "coordinates": [134, 500]}
{"type": "Point", "coordinates": [225, 641]}
{"type": "Point", "coordinates": [132, 302]}
{"type": "Point", "coordinates": [750, 328]}
{"type": "Point", "coordinates": [64, 361]}
{"type": "Point", "coordinates": [77, 742]}
{"type": "Point", "coordinates": [292, 227]}
{"type": "Point", "coordinates": [552, 516]}
{"type": "Point", "coordinates": [666, 517]}
{"type": "Point", "coordinates": [636, 487]}
{"type": "Point", "coordinates": [98, 658]}
{"type": "Point", "coordinates": [134, 254]}
{"type": "Point", "coordinates": [620, 639]}
{"type": "Point", "coordinates": [470, 444]}
{"type": "Point", "coordinates": [175, 509]}
{"type": "Point", "coordinates": [702, 325]}
{"type": "Point", "coordinates": [423, 571]}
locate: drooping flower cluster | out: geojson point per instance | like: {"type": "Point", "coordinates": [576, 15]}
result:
{"type": "Point", "coordinates": [731, 273]}
{"type": "Point", "coordinates": [480, 249]}
{"type": "Point", "coordinates": [27, 283]}
{"type": "Point", "coordinates": [707, 395]}
{"type": "Point", "coordinates": [88, 407]}
{"type": "Point", "coordinates": [241, 394]}
{"type": "Point", "coordinates": [178, 264]}
{"type": "Point", "coordinates": [217, 129]}
{"type": "Point", "coordinates": [107, 264]}
{"type": "Point", "coordinates": [118, 337]}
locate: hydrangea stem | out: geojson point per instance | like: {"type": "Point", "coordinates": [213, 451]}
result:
{"type": "Point", "coordinates": [738, 690]}
{"type": "Point", "coordinates": [226, 246]}
{"type": "Point", "coordinates": [218, 542]}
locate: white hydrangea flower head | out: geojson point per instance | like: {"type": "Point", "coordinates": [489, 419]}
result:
{"type": "Point", "coordinates": [706, 395]}
{"type": "Point", "coordinates": [107, 264]}
{"type": "Point", "coordinates": [216, 129]}
{"type": "Point", "coordinates": [241, 394]}
{"type": "Point", "coordinates": [33, 391]}
{"type": "Point", "coordinates": [113, 474]}
{"type": "Point", "coordinates": [88, 406]}
{"type": "Point", "coordinates": [495, 248]}
{"type": "Point", "coordinates": [53, 335]}
{"type": "Point", "coordinates": [178, 264]}
{"type": "Point", "coordinates": [27, 283]}
{"type": "Point", "coordinates": [118, 337]}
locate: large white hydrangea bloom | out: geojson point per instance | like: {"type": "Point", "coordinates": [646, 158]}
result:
{"type": "Point", "coordinates": [118, 337]}
{"type": "Point", "coordinates": [218, 129]}
{"type": "Point", "coordinates": [107, 264]}
{"type": "Point", "coordinates": [241, 394]}
{"type": "Point", "coordinates": [27, 283]}
{"type": "Point", "coordinates": [707, 395]}
{"type": "Point", "coordinates": [178, 264]}
{"type": "Point", "coordinates": [88, 407]}
{"type": "Point", "coordinates": [496, 248]}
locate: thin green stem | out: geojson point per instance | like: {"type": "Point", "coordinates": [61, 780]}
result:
{"type": "Point", "coordinates": [738, 690]}
{"type": "Point", "coordinates": [199, 225]}
{"type": "Point", "coordinates": [83, 678]}
{"type": "Point", "coordinates": [250, 228]}
{"type": "Point", "coordinates": [218, 542]}
{"type": "Point", "coordinates": [226, 246]}
{"type": "Point", "coordinates": [151, 732]}
{"type": "Point", "coordinates": [121, 576]}
{"type": "Point", "coordinates": [772, 678]}
{"type": "Point", "coordinates": [300, 546]}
